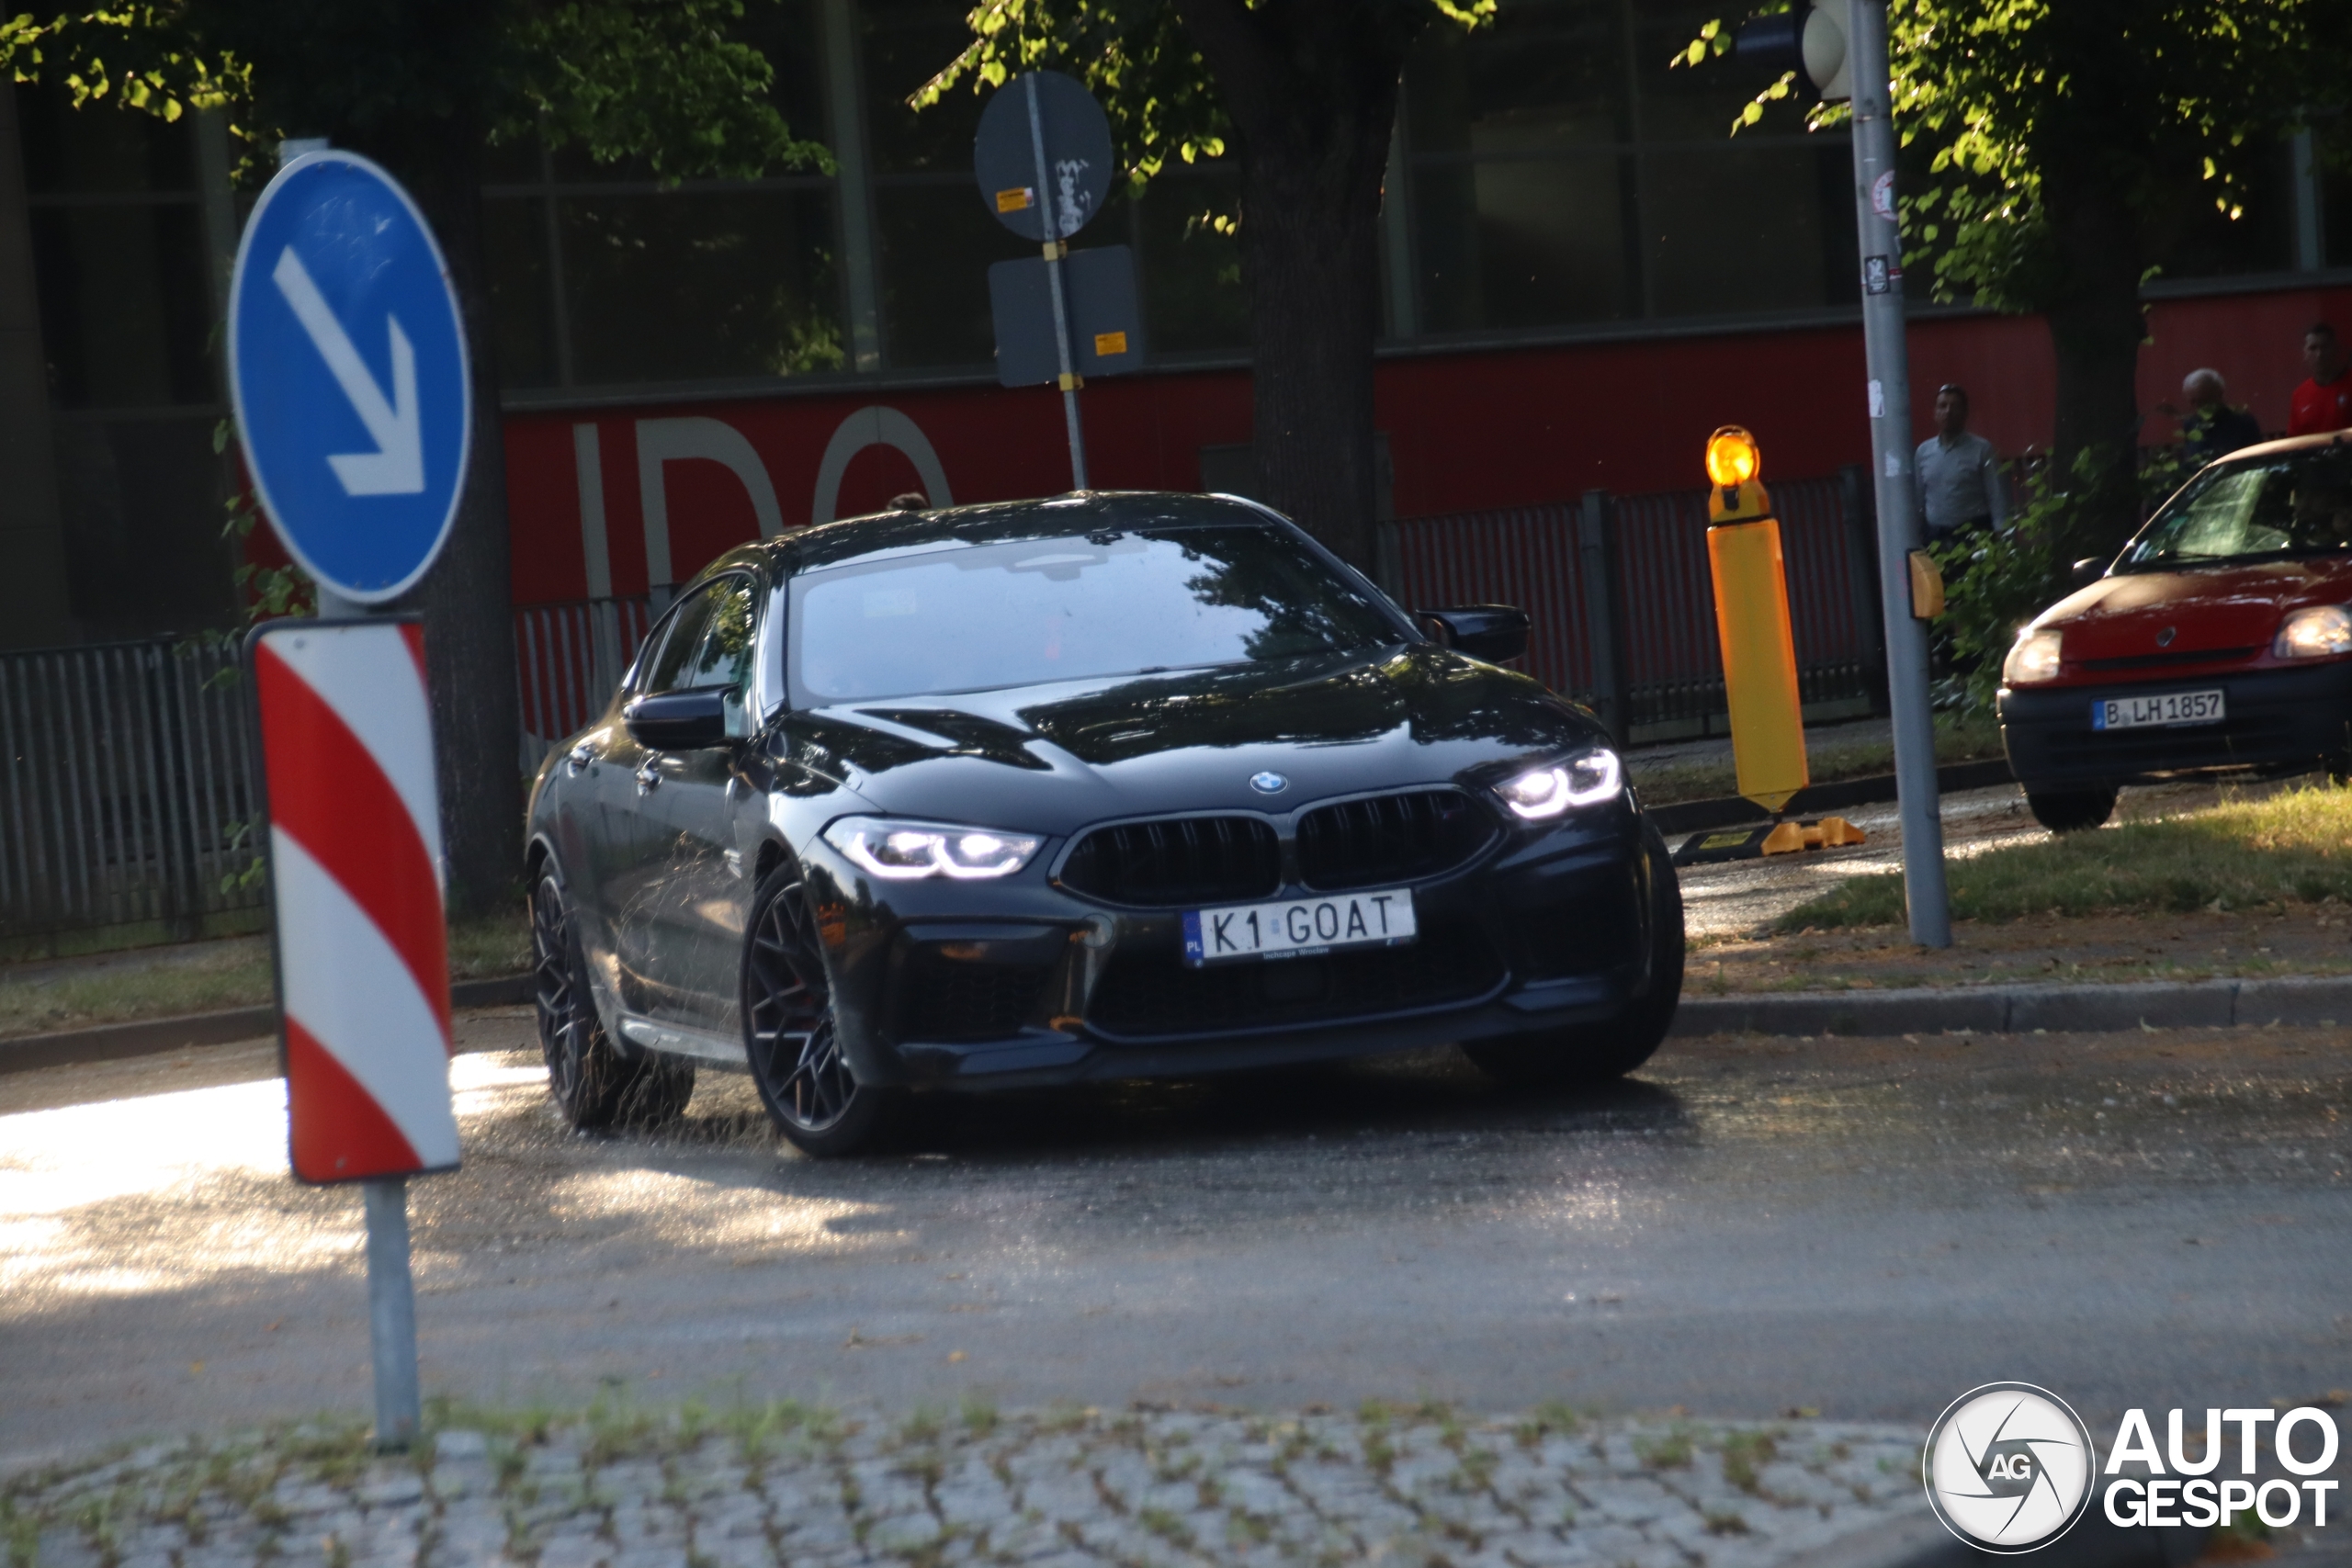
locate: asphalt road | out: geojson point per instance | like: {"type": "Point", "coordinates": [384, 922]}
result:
{"type": "Point", "coordinates": [1862, 1228]}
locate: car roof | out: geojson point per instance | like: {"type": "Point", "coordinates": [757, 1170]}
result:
{"type": "Point", "coordinates": [1080, 512]}
{"type": "Point", "coordinates": [2288, 443]}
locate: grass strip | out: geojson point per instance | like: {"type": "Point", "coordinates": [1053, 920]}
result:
{"type": "Point", "coordinates": [1663, 782]}
{"type": "Point", "coordinates": [2294, 847]}
{"type": "Point", "coordinates": [168, 982]}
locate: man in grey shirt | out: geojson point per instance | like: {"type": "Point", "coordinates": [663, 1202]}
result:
{"type": "Point", "coordinates": [1959, 474]}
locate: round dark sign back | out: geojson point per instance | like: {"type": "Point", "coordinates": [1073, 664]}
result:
{"type": "Point", "coordinates": [1077, 156]}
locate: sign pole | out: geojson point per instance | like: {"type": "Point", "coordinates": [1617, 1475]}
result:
{"type": "Point", "coordinates": [1890, 462]}
{"type": "Point", "coordinates": [1057, 247]}
{"type": "Point", "coordinates": [392, 1312]}
{"type": "Point", "coordinates": [391, 1285]}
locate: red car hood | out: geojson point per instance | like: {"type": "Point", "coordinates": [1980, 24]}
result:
{"type": "Point", "coordinates": [2226, 611]}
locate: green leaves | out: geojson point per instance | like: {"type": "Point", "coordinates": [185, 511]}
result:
{"type": "Point", "coordinates": [668, 82]}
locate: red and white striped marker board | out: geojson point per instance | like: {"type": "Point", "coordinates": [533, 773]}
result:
{"type": "Point", "coordinates": [354, 871]}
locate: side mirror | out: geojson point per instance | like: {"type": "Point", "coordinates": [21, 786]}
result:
{"type": "Point", "coordinates": [1496, 633]}
{"type": "Point", "coordinates": [679, 721]}
{"type": "Point", "coordinates": [2089, 570]}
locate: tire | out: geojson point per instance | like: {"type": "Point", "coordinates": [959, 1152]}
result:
{"type": "Point", "coordinates": [1589, 1053]}
{"type": "Point", "coordinates": [2070, 810]}
{"type": "Point", "coordinates": [595, 1085]}
{"type": "Point", "coordinates": [796, 1063]}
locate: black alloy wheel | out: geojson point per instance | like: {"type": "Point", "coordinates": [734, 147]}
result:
{"type": "Point", "coordinates": [1589, 1053]}
{"type": "Point", "coordinates": [2070, 810]}
{"type": "Point", "coordinates": [595, 1083]}
{"type": "Point", "coordinates": [795, 1054]}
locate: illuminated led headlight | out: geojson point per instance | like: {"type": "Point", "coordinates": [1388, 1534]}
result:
{"type": "Point", "coordinates": [2032, 658]}
{"type": "Point", "coordinates": [2321, 632]}
{"type": "Point", "coordinates": [902, 852]}
{"type": "Point", "coordinates": [1585, 780]}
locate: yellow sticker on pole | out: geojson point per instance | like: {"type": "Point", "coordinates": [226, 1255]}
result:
{"type": "Point", "coordinates": [1017, 200]}
{"type": "Point", "coordinates": [1108, 343]}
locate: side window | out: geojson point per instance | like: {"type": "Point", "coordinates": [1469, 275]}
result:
{"type": "Point", "coordinates": [724, 656]}
{"type": "Point", "coordinates": [665, 667]}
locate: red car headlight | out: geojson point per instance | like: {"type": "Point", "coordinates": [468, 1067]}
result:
{"type": "Point", "coordinates": [2032, 658]}
{"type": "Point", "coordinates": [2320, 631]}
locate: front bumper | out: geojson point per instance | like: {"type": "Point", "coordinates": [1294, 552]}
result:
{"type": "Point", "coordinates": [982, 986]}
{"type": "Point", "coordinates": [2280, 720]}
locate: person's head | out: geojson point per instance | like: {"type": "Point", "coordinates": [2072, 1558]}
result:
{"type": "Point", "coordinates": [1951, 408]}
{"type": "Point", "coordinates": [2203, 388]}
{"type": "Point", "coordinates": [910, 501]}
{"type": "Point", "coordinates": [2323, 354]}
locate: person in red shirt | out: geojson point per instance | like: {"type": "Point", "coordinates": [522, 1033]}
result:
{"type": "Point", "coordinates": [2323, 402]}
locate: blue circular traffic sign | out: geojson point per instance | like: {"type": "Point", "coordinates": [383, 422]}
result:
{"type": "Point", "coordinates": [347, 369]}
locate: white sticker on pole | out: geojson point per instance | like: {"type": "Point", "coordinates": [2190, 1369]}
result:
{"type": "Point", "coordinates": [355, 858]}
{"type": "Point", "coordinates": [1878, 399]}
{"type": "Point", "coordinates": [1883, 196]}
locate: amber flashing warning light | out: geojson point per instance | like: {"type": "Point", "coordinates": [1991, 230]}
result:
{"type": "Point", "coordinates": [1732, 458]}
{"type": "Point", "coordinates": [1752, 622]}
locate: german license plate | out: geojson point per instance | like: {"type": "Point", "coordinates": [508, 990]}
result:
{"type": "Point", "coordinates": [2169, 708]}
{"type": "Point", "coordinates": [1298, 928]}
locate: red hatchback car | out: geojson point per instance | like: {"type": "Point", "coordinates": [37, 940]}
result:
{"type": "Point", "coordinates": [2219, 641]}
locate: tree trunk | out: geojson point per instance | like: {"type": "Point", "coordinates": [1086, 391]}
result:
{"type": "Point", "coordinates": [468, 598]}
{"type": "Point", "coordinates": [1311, 88]}
{"type": "Point", "coordinates": [2096, 326]}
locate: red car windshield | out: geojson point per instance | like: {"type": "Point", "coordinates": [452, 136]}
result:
{"type": "Point", "coordinates": [2293, 504]}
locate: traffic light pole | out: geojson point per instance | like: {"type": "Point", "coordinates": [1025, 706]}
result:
{"type": "Point", "coordinates": [1899, 530]}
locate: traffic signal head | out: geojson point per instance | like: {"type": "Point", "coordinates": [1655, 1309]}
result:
{"type": "Point", "coordinates": [1809, 37]}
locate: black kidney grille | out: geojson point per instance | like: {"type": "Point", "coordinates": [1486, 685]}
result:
{"type": "Point", "coordinates": [944, 1000]}
{"type": "Point", "coordinates": [1390, 837]}
{"type": "Point", "coordinates": [1149, 994]}
{"type": "Point", "coordinates": [1181, 861]}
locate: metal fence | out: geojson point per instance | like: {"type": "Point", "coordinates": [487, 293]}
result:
{"type": "Point", "coordinates": [129, 770]}
{"type": "Point", "coordinates": [128, 786]}
{"type": "Point", "coordinates": [569, 659]}
{"type": "Point", "coordinates": [1623, 604]}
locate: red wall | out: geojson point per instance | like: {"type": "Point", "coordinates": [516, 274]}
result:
{"type": "Point", "coordinates": [1466, 431]}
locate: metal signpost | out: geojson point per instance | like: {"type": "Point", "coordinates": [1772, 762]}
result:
{"type": "Point", "coordinates": [347, 369]}
{"type": "Point", "coordinates": [1890, 462]}
{"type": "Point", "coordinates": [1044, 161]}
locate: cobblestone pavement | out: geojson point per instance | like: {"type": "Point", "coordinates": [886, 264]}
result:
{"type": "Point", "coordinates": [1059, 1489]}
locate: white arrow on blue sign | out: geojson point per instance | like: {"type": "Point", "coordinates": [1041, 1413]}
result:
{"type": "Point", "coordinates": [348, 369]}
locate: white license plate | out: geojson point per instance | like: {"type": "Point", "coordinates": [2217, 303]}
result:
{"type": "Point", "coordinates": [2171, 707]}
{"type": "Point", "coordinates": [1296, 928]}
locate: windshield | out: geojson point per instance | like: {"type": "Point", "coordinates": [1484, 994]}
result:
{"type": "Point", "coordinates": [2297, 503]}
{"type": "Point", "coordinates": [964, 618]}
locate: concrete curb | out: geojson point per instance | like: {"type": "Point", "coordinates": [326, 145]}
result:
{"type": "Point", "coordinates": [150, 1036]}
{"type": "Point", "coordinates": [2020, 1009]}
{"type": "Point", "coordinates": [1735, 811]}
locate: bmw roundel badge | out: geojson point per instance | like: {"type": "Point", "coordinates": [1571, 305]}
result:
{"type": "Point", "coordinates": [1269, 784]}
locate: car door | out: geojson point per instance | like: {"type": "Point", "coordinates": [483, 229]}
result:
{"type": "Point", "coordinates": [696, 805]}
{"type": "Point", "coordinates": [631, 866]}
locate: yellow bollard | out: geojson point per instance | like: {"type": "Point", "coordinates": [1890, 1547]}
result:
{"type": "Point", "coordinates": [1752, 620]}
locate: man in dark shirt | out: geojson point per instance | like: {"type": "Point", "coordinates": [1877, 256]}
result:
{"type": "Point", "coordinates": [2212, 428]}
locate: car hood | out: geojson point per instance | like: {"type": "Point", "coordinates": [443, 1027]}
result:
{"type": "Point", "coordinates": [2219, 610]}
{"type": "Point", "coordinates": [1051, 759]}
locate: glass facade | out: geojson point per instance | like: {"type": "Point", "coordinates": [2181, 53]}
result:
{"type": "Point", "coordinates": [1556, 177]}
{"type": "Point", "coordinates": [124, 262]}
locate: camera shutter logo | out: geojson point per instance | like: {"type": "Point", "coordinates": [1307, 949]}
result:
{"type": "Point", "coordinates": [2009, 1468]}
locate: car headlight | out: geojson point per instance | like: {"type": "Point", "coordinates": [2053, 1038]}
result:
{"type": "Point", "coordinates": [2032, 658]}
{"type": "Point", "coordinates": [2321, 632]}
{"type": "Point", "coordinates": [903, 851]}
{"type": "Point", "coordinates": [1585, 780]}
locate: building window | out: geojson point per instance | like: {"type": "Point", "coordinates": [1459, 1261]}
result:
{"type": "Point", "coordinates": [609, 276]}
{"type": "Point", "coordinates": [118, 238]}
{"type": "Point", "coordinates": [1562, 174]}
